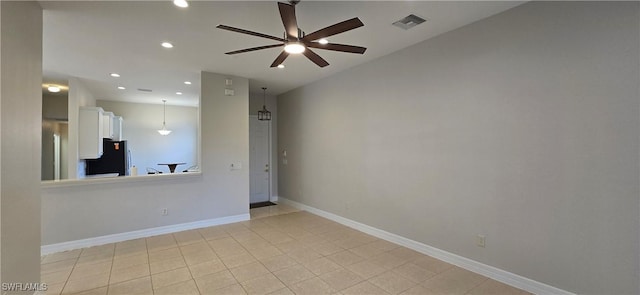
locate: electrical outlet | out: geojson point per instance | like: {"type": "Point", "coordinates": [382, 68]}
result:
{"type": "Point", "coordinates": [164, 211]}
{"type": "Point", "coordinates": [481, 241]}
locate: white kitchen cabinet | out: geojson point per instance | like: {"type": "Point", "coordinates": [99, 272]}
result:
{"type": "Point", "coordinates": [117, 128]}
{"type": "Point", "coordinates": [107, 124]}
{"type": "Point", "coordinates": [90, 132]}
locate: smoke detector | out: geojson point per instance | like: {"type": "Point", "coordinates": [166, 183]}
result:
{"type": "Point", "coordinates": [409, 22]}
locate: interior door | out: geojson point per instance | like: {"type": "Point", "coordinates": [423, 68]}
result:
{"type": "Point", "coordinates": [259, 160]}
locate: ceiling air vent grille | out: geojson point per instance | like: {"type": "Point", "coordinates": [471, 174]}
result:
{"type": "Point", "coordinates": [409, 22]}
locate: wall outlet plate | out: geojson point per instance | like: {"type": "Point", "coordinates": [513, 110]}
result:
{"type": "Point", "coordinates": [481, 241]}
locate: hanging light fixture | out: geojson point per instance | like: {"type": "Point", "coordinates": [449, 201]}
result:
{"type": "Point", "coordinates": [164, 130]}
{"type": "Point", "coordinates": [264, 115]}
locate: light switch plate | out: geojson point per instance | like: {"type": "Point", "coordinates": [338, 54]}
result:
{"type": "Point", "coordinates": [229, 92]}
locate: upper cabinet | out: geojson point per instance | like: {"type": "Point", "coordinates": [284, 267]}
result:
{"type": "Point", "coordinates": [107, 124]}
{"type": "Point", "coordinates": [90, 132]}
{"type": "Point", "coordinates": [94, 125]}
{"type": "Point", "coordinates": [117, 128]}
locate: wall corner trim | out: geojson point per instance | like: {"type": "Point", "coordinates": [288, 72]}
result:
{"type": "Point", "coordinates": [497, 274]}
{"type": "Point", "coordinates": [114, 238]}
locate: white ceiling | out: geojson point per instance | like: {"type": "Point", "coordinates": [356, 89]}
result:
{"type": "Point", "coordinates": [90, 39]}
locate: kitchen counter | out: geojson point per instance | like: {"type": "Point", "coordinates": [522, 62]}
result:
{"type": "Point", "coordinates": [119, 179]}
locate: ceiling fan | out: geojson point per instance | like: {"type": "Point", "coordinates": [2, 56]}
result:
{"type": "Point", "coordinates": [296, 41]}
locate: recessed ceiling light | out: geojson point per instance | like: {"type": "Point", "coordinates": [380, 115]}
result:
{"type": "Point", "coordinates": [53, 89]}
{"type": "Point", "coordinates": [115, 75]}
{"type": "Point", "coordinates": [181, 3]}
{"type": "Point", "coordinates": [187, 82]}
{"type": "Point", "coordinates": [167, 45]}
{"type": "Point", "coordinates": [179, 93]}
{"type": "Point", "coordinates": [121, 88]}
{"type": "Point", "coordinates": [323, 41]}
{"type": "Point", "coordinates": [280, 66]}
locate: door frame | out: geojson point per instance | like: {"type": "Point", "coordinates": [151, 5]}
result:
{"type": "Point", "coordinates": [269, 158]}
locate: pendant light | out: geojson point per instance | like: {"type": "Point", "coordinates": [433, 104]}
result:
{"type": "Point", "coordinates": [164, 130]}
{"type": "Point", "coordinates": [264, 115]}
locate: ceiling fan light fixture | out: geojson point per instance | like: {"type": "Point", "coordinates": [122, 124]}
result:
{"type": "Point", "coordinates": [280, 66]}
{"type": "Point", "coordinates": [294, 47]}
{"type": "Point", "coordinates": [323, 41]}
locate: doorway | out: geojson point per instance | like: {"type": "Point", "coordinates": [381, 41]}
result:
{"type": "Point", "coordinates": [259, 160]}
{"type": "Point", "coordinates": [55, 138]}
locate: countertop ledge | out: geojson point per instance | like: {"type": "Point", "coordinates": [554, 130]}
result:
{"type": "Point", "coordinates": [150, 178]}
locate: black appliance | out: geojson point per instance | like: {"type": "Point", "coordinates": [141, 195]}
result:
{"type": "Point", "coordinates": [115, 159]}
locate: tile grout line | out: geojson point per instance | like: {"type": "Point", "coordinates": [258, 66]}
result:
{"type": "Point", "coordinates": [146, 246]}
{"type": "Point", "coordinates": [270, 272]}
{"type": "Point", "coordinates": [69, 276]}
{"type": "Point", "coordinates": [478, 285]}
{"type": "Point", "coordinates": [113, 257]}
{"type": "Point", "coordinates": [185, 260]}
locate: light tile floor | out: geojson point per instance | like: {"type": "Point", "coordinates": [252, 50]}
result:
{"type": "Point", "coordinates": [279, 251]}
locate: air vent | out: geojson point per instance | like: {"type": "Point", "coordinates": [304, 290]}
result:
{"type": "Point", "coordinates": [409, 22]}
{"type": "Point", "coordinates": [144, 90]}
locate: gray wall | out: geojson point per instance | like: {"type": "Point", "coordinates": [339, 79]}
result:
{"type": "Point", "coordinates": [74, 211]}
{"type": "Point", "coordinates": [55, 107]}
{"type": "Point", "coordinates": [20, 144]}
{"type": "Point", "coordinates": [522, 127]}
{"type": "Point", "coordinates": [148, 148]}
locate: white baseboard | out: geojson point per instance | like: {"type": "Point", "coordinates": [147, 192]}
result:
{"type": "Point", "coordinates": [497, 274]}
{"type": "Point", "coordinates": [114, 238]}
{"type": "Point", "coordinates": [273, 199]}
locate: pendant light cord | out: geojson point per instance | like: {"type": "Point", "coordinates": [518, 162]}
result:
{"type": "Point", "coordinates": [264, 98]}
{"type": "Point", "coordinates": [164, 112]}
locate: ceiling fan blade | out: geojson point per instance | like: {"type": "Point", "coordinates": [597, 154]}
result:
{"type": "Point", "coordinates": [253, 49]}
{"type": "Point", "coordinates": [337, 47]}
{"type": "Point", "coordinates": [283, 55]}
{"type": "Point", "coordinates": [334, 29]}
{"type": "Point", "coordinates": [315, 58]}
{"type": "Point", "coordinates": [237, 30]}
{"type": "Point", "coordinates": [288, 15]}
